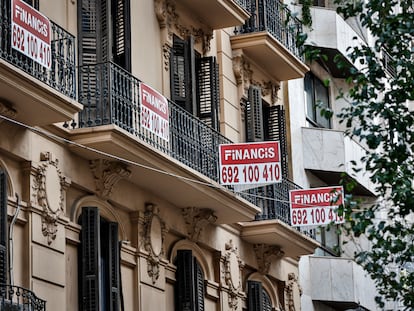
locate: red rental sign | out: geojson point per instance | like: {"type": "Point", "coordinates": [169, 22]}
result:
{"type": "Point", "coordinates": [316, 206]}
{"type": "Point", "coordinates": [154, 112]}
{"type": "Point", "coordinates": [31, 33]}
{"type": "Point", "coordinates": [250, 163]}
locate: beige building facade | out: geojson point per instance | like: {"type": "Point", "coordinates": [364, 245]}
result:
{"type": "Point", "coordinates": [106, 205]}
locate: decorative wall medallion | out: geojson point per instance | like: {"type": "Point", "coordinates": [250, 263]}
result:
{"type": "Point", "coordinates": [293, 292]}
{"type": "Point", "coordinates": [49, 186]}
{"type": "Point", "coordinates": [264, 255]}
{"type": "Point", "coordinates": [107, 174]}
{"type": "Point", "coordinates": [196, 220]}
{"type": "Point", "coordinates": [153, 239]}
{"type": "Point", "coordinates": [232, 273]}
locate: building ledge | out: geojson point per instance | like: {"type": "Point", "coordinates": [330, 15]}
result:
{"type": "Point", "coordinates": [275, 232]}
{"type": "Point", "coordinates": [157, 173]}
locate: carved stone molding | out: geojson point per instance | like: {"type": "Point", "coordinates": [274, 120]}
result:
{"type": "Point", "coordinates": [6, 109]}
{"type": "Point", "coordinates": [196, 220]}
{"type": "Point", "coordinates": [49, 192]}
{"type": "Point", "coordinates": [293, 291]}
{"type": "Point", "coordinates": [264, 255]}
{"type": "Point", "coordinates": [107, 174]}
{"type": "Point", "coordinates": [168, 18]}
{"type": "Point", "coordinates": [233, 266]}
{"type": "Point", "coordinates": [242, 70]}
{"type": "Point", "coordinates": [271, 89]}
{"type": "Point", "coordinates": [154, 230]}
{"type": "Point", "coordinates": [166, 52]}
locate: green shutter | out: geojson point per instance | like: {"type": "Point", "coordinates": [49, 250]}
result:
{"type": "Point", "coordinates": [254, 115]}
{"type": "Point", "coordinates": [254, 296]}
{"type": "Point", "coordinates": [276, 131]}
{"type": "Point", "coordinates": [90, 252]}
{"type": "Point", "coordinates": [3, 227]}
{"type": "Point", "coordinates": [208, 91]}
{"type": "Point", "coordinates": [185, 286]}
{"type": "Point", "coordinates": [114, 266]}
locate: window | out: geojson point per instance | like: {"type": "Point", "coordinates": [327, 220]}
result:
{"type": "Point", "coordinates": [194, 81]}
{"type": "Point", "coordinates": [189, 286]}
{"type": "Point", "coordinates": [3, 227]}
{"type": "Point", "coordinates": [258, 298]}
{"type": "Point", "coordinates": [99, 275]}
{"type": "Point", "coordinates": [329, 240]}
{"type": "Point", "coordinates": [266, 123]}
{"type": "Point", "coordinates": [317, 98]}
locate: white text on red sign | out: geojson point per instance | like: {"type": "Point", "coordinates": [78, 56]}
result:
{"type": "Point", "coordinates": [314, 207]}
{"type": "Point", "coordinates": [251, 163]}
{"type": "Point", "coordinates": [31, 33]}
{"type": "Point", "coordinates": [154, 112]}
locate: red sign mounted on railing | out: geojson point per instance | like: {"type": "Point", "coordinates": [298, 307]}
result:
{"type": "Point", "coordinates": [30, 33]}
{"type": "Point", "coordinates": [250, 163]}
{"type": "Point", "coordinates": [316, 206]}
{"type": "Point", "coordinates": [154, 112]}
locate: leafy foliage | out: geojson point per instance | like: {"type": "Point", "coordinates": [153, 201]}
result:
{"type": "Point", "coordinates": [379, 116]}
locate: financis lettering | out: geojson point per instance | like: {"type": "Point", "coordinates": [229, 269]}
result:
{"type": "Point", "coordinates": [31, 20]}
{"type": "Point", "coordinates": [248, 154]}
{"type": "Point", "coordinates": [315, 198]}
{"type": "Point", "coordinates": [154, 101]}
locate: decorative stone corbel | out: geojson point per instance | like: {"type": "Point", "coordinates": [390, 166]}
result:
{"type": "Point", "coordinates": [242, 70]}
{"type": "Point", "coordinates": [107, 174]}
{"type": "Point", "coordinates": [196, 220]}
{"type": "Point", "coordinates": [233, 266]}
{"type": "Point", "coordinates": [49, 192]}
{"type": "Point", "coordinates": [154, 230]}
{"type": "Point", "coordinates": [293, 291]}
{"type": "Point", "coordinates": [264, 255]}
{"type": "Point", "coordinates": [272, 89]}
{"type": "Point", "coordinates": [6, 109]}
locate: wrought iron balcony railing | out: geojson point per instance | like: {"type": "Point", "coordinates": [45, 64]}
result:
{"type": "Point", "coordinates": [274, 17]}
{"type": "Point", "coordinates": [15, 298]}
{"type": "Point", "coordinates": [61, 76]}
{"type": "Point", "coordinates": [245, 4]}
{"type": "Point", "coordinates": [110, 95]}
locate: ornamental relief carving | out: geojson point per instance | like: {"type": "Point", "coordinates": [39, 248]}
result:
{"type": "Point", "coordinates": [168, 19]}
{"type": "Point", "coordinates": [293, 291]}
{"type": "Point", "coordinates": [154, 230]}
{"type": "Point", "coordinates": [196, 219]}
{"type": "Point", "coordinates": [6, 109]}
{"type": "Point", "coordinates": [233, 266]}
{"type": "Point", "coordinates": [48, 187]}
{"type": "Point", "coordinates": [264, 255]}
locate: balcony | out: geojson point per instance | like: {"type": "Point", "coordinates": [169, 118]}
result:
{"type": "Point", "coordinates": [333, 35]}
{"type": "Point", "coordinates": [31, 93]}
{"type": "Point", "coordinates": [227, 13]}
{"type": "Point", "coordinates": [329, 153]}
{"type": "Point", "coordinates": [338, 282]}
{"type": "Point", "coordinates": [18, 298]}
{"type": "Point", "coordinates": [269, 37]}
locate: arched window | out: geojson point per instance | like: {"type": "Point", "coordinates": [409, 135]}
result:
{"type": "Point", "coordinates": [258, 298]}
{"type": "Point", "coordinates": [99, 279]}
{"type": "Point", "coordinates": [189, 286]}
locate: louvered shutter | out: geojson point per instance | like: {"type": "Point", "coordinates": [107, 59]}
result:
{"type": "Point", "coordinates": [185, 286]}
{"type": "Point", "coordinates": [254, 115]}
{"type": "Point", "coordinates": [208, 91]}
{"type": "Point", "coordinates": [276, 131]}
{"type": "Point", "coordinates": [267, 303]}
{"type": "Point", "coordinates": [122, 33]}
{"type": "Point", "coordinates": [3, 227]}
{"type": "Point", "coordinates": [254, 296]}
{"type": "Point", "coordinates": [114, 266]}
{"type": "Point", "coordinates": [199, 281]}
{"type": "Point", "coordinates": [90, 254]}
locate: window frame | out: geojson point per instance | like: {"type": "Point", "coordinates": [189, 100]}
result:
{"type": "Point", "coordinates": [313, 116]}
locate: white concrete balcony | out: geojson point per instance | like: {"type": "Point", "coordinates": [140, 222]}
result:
{"type": "Point", "coordinates": [333, 35]}
{"type": "Point", "coordinates": [329, 153]}
{"type": "Point", "coordinates": [338, 282]}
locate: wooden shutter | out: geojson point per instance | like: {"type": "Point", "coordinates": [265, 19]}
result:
{"type": "Point", "coordinates": [185, 287]}
{"type": "Point", "coordinates": [90, 252]}
{"type": "Point", "coordinates": [199, 282]}
{"type": "Point", "coordinates": [122, 33]}
{"type": "Point", "coordinates": [254, 115]}
{"type": "Point", "coordinates": [3, 227]}
{"type": "Point", "coordinates": [267, 303]}
{"type": "Point", "coordinates": [276, 131]}
{"type": "Point", "coordinates": [114, 266]}
{"type": "Point", "coordinates": [208, 91]}
{"type": "Point", "coordinates": [254, 296]}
